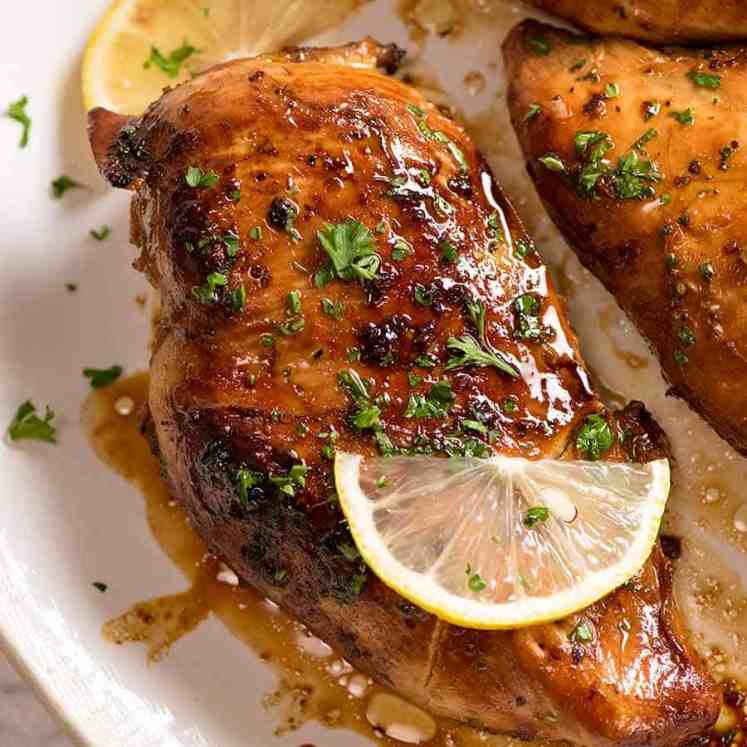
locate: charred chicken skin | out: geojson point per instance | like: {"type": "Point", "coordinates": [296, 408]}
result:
{"type": "Point", "coordinates": [664, 21]}
{"type": "Point", "coordinates": [636, 155]}
{"type": "Point", "coordinates": [308, 220]}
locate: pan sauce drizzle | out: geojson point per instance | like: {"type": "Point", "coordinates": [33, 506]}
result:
{"type": "Point", "coordinates": [313, 683]}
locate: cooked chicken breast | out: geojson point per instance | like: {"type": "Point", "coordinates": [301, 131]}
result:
{"type": "Point", "coordinates": [667, 21]}
{"type": "Point", "coordinates": [636, 154]}
{"type": "Point", "coordinates": [307, 220]}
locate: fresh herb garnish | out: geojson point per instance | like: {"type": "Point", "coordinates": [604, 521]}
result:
{"type": "Point", "coordinates": [645, 139]}
{"type": "Point", "coordinates": [293, 299]}
{"type": "Point", "coordinates": [102, 234]}
{"type": "Point", "coordinates": [237, 299]}
{"type": "Point", "coordinates": [352, 252]}
{"type": "Point", "coordinates": [296, 478]}
{"type": "Point", "coordinates": [527, 312]}
{"type": "Point", "coordinates": [595, 437]}
{"type": "Point", "coordinates": [535, 515]}
{"type": "Point", "coordinates": [475, 582]}
{"type": "Point", "coordinates": [532, 112]}
{"type": "Point", "coordinates": [101, 377]}
{"type": "Point", "coordinates": [650, 109]}
{"type": "Point", "coordinates": [26, 424]}
{"type": "Point", "coordinates": [255, 233]}
{"type": "Point", "coordinates": [686, 336]}
{"type": "Point", "coordinates": [62, 184]}
{"type": "Point", "coordinates": [471, 353]}
{"type": "Point", "coordinates": [208, 293]}
{"type": "Point", "coordinates": [705, 80]}
{"type": "Point", "coordinates": [552, 162]}
{"type": "Point", "coordinates": [330, 308]}
{"type": "Point", "coordinates": [448, 251]}
{"type": "Point", "coordinates": [17, 112]}
{"type": "Point", "coordinates": [436, 404]}
{"type": "Point", "coordinates": [172, 64]}
{"type": "Point", "coordinates": [401, 249]}
{"type": "Point", "coordinates": [422, 295]}
{"type": "Point", "coordinates": [612, 90]}
{"type": "Point", "coordinates": [539, 45]}
{"type": "Point", "coordinates": [633, 177]}
{"type": "Point", "coordinates": [582, 633]}
{"type": "Point", "coordinates": [686, 117]}
{"type": "Point", "coordinates": [196, 177]}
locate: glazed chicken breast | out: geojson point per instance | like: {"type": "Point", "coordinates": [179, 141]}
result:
{"type": "Point", "coordinates": [636, 155]}
{"type": "Point", "coordinates": [665, 21]}
{"type": "Point", "coordinates": [312, 224]}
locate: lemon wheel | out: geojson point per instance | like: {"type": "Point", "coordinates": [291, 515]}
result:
{"type": "Point", "coordinates": [142, 46]}
{"type": "Point", "coordinates": [501, 542]}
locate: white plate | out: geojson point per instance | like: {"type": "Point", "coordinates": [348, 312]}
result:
{"type": "Point", "coordinates": [68, 521]}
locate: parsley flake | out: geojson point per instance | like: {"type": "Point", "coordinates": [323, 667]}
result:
{"type": "Point", "coordinates": [62, 184]}
{"type": "Point", "coordinates": [26, 424]}
{"type": "Point", "coordinates": [705, 80]}
{"type": "Point", "coordinates": [102, 377]}
{"type": "Point", "coordinates": [196, 177]}
{"type": "Point", "coordinates": [172, 64]}
{"type": "Point", "coordinates": [595, 437]}
{"type": "Point", "coordinates": [351, 249]}
{"type": "Point", "coordinates": [17, 112]}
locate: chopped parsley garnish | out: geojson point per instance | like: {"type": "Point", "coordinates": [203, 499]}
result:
{"type": "Point", "coordinates": [237, 299]}
{"type": "Point", "coordinates": [255, 233]}
{"type": "Point", "coordinates": [532, 112]}
{"type": "Point", "coordinates": [535, 515]}
{"type": "Point", "coordinates": [196, 177]}
{"type": "Point", "coordinates": [292, 326]}
{"type": "Point", "coordinates": [422, 296]}
{"type": "Point", "coordinates": [330, 308]}
{"type": "Point", "coordinates": [680, 358]}
{"type": "Point", "coordinates": [552, 162]}
{"type": "Point", "coordinates": [539, 45]}
{"type": "Point", "coordinates": [448, 251]}
{"type": "Point", "coordinates": [595, 437]}
{"type": "Point", "coordinates": [612, 90]}
{"type": "Point", "coordinates": [101, 377]}
{"type": "Point", "coordinates": [414, 379]}
{"type": "Point", "coordinates": [26, 424]}
{"type": "Point", "coordinates": [102, 234]}
{"type": "Point", "coordinates": [208, 293]}
{"type": "Point", "coordinates": [266, 340]}
{"type": "Point", "coordinates": [426, 360]}
{"type": "Point", "coordinates": [17, 112]}
{"type": "Point", "coordinates": [527, 312]}
{"type": "Point", "coordinates": [293, 299]}
{"type": "Point", "coordinates": [475, 582]}
{"type": "Point", "coordinates": [62, 184]}
{"type": "Point", "coordinates": [476, 312]}
{"type": "Point", "coordinates": [401, 249]}
{"type": "Point", "coordinates": [352, 252]}
{"type": "Point", "coordinates": [172, 64]}
{"type": "Point", "coordinates": [645, 139]}
{"type": "Point", "coordinates": [633, 176]}
{"type": "Point", "coordinates": [440, 137]}
{"type": "Point", "coordinates": [705, 80]}
{"type": "Point", "coordinates": [686, 117]}
{"type": "Point", "coordinates": [523, 248]}
{"type": "Point", "coordinates": [296, 478]}
{"type": "Point", "coordinates": [353, 384]}
{"type": "Point", "coordinates": [686, 336]}
{"type": "Point", "coordinates": [353, 354]}
{"type": "Point", "coordinates": [471, 353]}
{"type": "Point", "coordinates": [706, 270]}
{"type": "Point", "coordinates": [235, 194]}
{"type": "Point", "coordinates": [582, 633]}
{"type": "Point", "coordinates": [436, 404]}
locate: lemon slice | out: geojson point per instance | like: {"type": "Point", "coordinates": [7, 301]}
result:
{"type": "Point", "coordinates": [178, 38]}
{"type": "Point", "coordinates": [501, 542]}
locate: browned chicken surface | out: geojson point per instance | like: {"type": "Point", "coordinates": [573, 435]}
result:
{"type": "Point", "coordinates": [325, 243]}
{"type": "Point", "coordinates": [667, 21]}
{"type": "Point", "coordinates": [636, 154]}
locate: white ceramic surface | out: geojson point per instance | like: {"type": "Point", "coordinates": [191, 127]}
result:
{"type": "Point", "coordinates": [66, 520]}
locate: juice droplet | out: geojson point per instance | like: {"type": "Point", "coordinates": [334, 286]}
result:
{"type": "Point", "coordinates": [740, 518]}
{"type": "Point", "coordinates": [399, 719]}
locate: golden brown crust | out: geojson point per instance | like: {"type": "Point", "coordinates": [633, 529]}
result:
{"type": "Point", "coordinates": [342, 143]}
{"type": "Point", "coordinates": [664, 21]}
{"type": "Point", "coordinates": [673, 257]}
